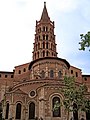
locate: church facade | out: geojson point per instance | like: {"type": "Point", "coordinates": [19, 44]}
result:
{"type": "Point", "coordinates": [32, 89]}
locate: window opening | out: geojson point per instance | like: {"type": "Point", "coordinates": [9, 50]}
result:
{"type": "Point", "coordinates": [43, 74]}
{"type": "Point", "coordinates": [71, 71]}
{"type": "Point", "coordinates": [43, 53]}
{"type": "Point", "coordinates": [46, 37]}
{"type": "Point", "coordinates": [59, 74]}
{"type": "Point", "coordinates": [31, 110]}
{"type": "Point", "coordinates": [47, 45]}
{"type": "Point", "coordinates": [75, 112]}
{"type": "Point", "coordinates": [57, 111]}
{"type": "Point", "coordinates": [18, 111]}
{"type": "Point", "coordinates": [43, 37]}
{"type": "Point", "coordinates": [7, 111]}
{"type": "Point", "coordinates": [51, 74]}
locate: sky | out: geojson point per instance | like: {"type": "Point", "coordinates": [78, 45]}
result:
{"type": "Point", "coordinates": [17, 30]}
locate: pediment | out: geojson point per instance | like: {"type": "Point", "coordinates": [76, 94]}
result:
{"type": "Point", "coordinates": [19, 91]}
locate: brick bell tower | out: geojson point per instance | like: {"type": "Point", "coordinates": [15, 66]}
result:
{"type": "Point", "coordinates": [44, 44]}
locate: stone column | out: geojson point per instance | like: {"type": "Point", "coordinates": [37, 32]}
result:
{"type": "Point", "coordinates": [41, 104]}
{"type": "Point", "coordinates": [11, 110]}
{"type": "Point", "coordinates": [3, 110]}
{"type": "Point", "coordinates": [46, 70]}
{"type": "Point", "coordinates": [56, 71]}
{"type": "Point", "coordinates": [32, 74]}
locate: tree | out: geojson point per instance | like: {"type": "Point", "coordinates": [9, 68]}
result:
{"type": "Point", "coordinates": [87, 108]}
{"type": "Point", "coordinates": [85, 41]}
{"type": "Point", "coordinates": [73, 94]}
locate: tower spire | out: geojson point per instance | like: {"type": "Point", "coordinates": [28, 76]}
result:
{"type": "Point", "coordinates": [44, 16]}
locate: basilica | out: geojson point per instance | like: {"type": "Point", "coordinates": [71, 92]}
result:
{"type": "Point", "coordinates": [32, 89]}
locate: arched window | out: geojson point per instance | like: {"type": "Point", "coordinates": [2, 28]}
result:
{"type": "Point", "coordinates": [31, 110]}
{"type": "Point", "coordinates": [47, 53]}
{"type": "Point", "coordinates": [44, 29]}
{"type": "Point", "coordinates": [59, 74]}
{"type": "Point", "coordinates": [19, 71]}
{"type": "Point", "coordinates": [43, 37]}
{"type": "Point", "coordinates": [51, 74]}
{"type": "Point", "coordinates": [46, 37]}
{"type": "Point", "coordinates": [46, 45]}
{"type": "Point", "coordinates": [43, 53]}
{"type": "Point", "coordinates": [75, 112]}
{"type": "Point", "coordinates": [18, 111]}
{"type": "Point", "coordinates": [43, 74]}
{"type": "Point", "coordinates": [51, 46]}
{"type": "Point", "coordinates": [56, 111]}
{"type": "Point", "coordinates": [7, 111]}
{"type": "Point", "coordinates": [24, 70]}
{"type": "Point", "coordinates": [38, 45]}
{"type": "Point", "coordinates": [38, 54]}
{"type": "Point", "coordinates": [43, 45]}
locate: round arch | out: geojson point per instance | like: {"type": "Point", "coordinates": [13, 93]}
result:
{"type": "Point", "coordinates": [53, 98]}
{"type": "Point", "coordinates": [18, 110]}
{"type": "Point", "coordinates": [32, 109]}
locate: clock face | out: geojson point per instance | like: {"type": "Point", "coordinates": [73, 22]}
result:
{"type": "Point", "coordinates": [32, 93]}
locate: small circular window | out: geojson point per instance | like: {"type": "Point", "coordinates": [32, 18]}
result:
{"type": "Point", "coordinates": [32, 93]}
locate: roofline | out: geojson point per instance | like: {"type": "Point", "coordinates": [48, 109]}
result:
{"type": "Point", "coordinates": [6, 72]}
{"type": "Point", "coordinates": [22, 64]}
{"type": "Point", "coordinates": [75, 67]}
{"type": "Point", "coordinates": [85, 75]}
{"type": "Point", "coordinates": [67, 63]}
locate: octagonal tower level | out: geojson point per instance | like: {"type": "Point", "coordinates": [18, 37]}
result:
{"type": "Point", "coordinates": [44, 44]}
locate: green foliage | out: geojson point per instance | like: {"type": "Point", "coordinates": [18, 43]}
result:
{"type": "Point", "coordinates": [85, 41]}
{"type": "Point", "coordinates": [73, 94]}
{"type": "Point", "coordinates": [56, 106]}
{"type": "Point", "coordinates": [87, 105]}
